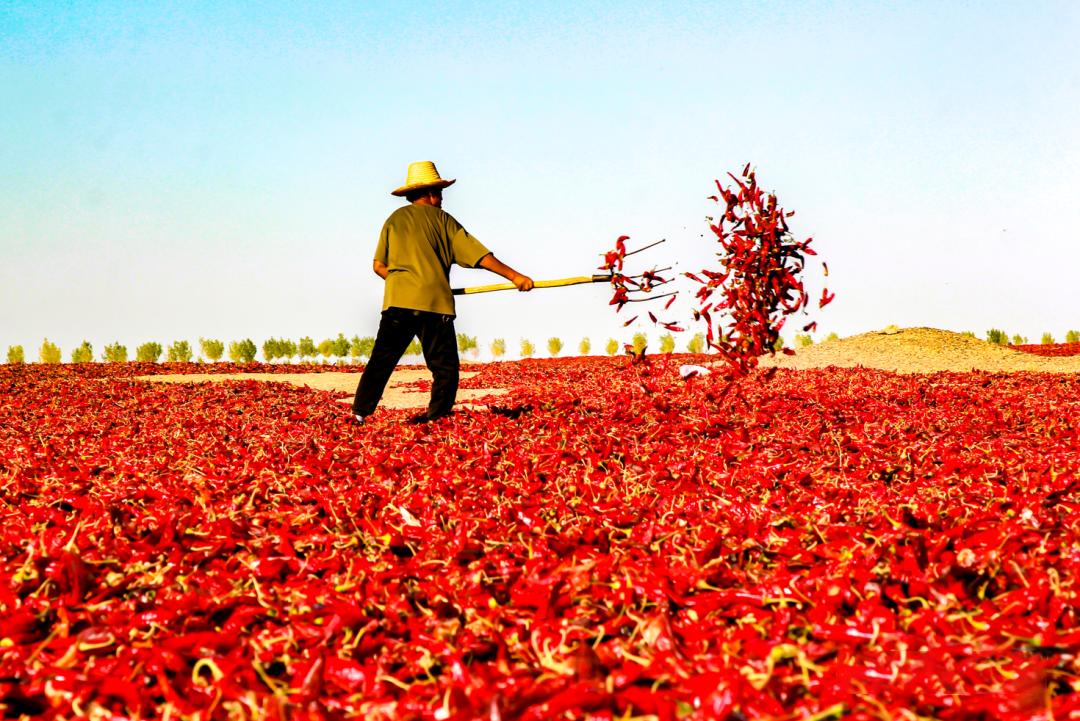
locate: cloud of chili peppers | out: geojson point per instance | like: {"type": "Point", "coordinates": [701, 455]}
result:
{"type": "Point", "coordinates": [745, 302]}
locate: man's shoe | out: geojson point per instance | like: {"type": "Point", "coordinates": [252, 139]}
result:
{"type": "Point", "coordinates": [359, 419]}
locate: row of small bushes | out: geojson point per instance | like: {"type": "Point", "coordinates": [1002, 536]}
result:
{"type": "Point", "coordinates": [330, 349]}
{"type": "Point", "coordinates": [211, 350]}
{"type": "Point", "coordinates": [1000, 337]}
{"type": "Point", "coordinates": [358, 348]}
{"type": "Point", "coordinates": [179, 351]}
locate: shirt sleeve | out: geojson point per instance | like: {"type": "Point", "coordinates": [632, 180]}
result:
{"type": "Point", "coordinates": [468, 251]}
{"type": "Point", "coordinates": [382, 248]}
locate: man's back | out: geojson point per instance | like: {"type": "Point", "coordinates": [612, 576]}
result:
{"type": "Point", "coordinates": [418, 244]}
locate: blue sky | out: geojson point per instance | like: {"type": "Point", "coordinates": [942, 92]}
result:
{"type": "Point", "coordinates": [170, 171]}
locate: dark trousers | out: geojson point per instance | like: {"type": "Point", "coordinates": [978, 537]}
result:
{"type": "Point", "coordinates": [396, 330]}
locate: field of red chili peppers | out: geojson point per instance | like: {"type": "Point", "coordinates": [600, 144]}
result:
{"type": "Point", "coordinates": [610, 541]}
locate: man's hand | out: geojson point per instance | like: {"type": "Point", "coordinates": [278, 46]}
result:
{"type": "Point", "coordinates": [380, 269]}
{"type": "Point", "coordinates": [523, 282]}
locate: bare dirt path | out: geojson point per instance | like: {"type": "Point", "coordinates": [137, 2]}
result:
{"type": "Point", "coordinates": [401, 391]}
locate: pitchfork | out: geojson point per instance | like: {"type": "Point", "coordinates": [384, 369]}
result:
{"type": "Point", "coordinates": [577, 280]}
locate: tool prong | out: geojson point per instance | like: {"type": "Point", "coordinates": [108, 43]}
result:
{"type": "Point", "coordinates": [651, 297]}
{"type": "Point", "coordinates": [650, 245]}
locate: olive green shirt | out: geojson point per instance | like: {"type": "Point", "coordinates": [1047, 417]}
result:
{"type": "Point", "coordinates": [418, 244]}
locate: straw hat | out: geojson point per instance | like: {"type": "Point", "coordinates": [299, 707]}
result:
{"type": "Point", "coordinates": [422, 174]}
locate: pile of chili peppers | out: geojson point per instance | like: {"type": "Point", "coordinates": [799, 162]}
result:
{"type": "Point", "coordinates": [1049, 349]}
{"type": "Point", "coordinates": [821, 544]}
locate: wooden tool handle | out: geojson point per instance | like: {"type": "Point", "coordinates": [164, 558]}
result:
{"type": "Point", "coordinates": [557, 283]}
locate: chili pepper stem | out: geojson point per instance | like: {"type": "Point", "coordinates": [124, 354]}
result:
{"type": "Point", "coordinates": [274, 687]}
{"type": "Point", "coordinates": [835, 711]}
{"type": "Point", "coordinates": [41, 646]}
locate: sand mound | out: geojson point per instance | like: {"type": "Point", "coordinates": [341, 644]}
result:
{"type": "Point", "coordinates": [921, 350]}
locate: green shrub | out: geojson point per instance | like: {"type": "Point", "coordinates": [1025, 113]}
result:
{"type": "Point", "coordinates": [832, 336]}
{"type": "Point", "coordinates": [969, 334]}
{"type": "Point", "coordinates": [414, 348]}
{"type": "Point", "coordinates": [639, 342]}
{"type": "Point", "coordinates": [1048, 339]}
{"type": "Point", "coordinates": [148, 352]}
{"type": "Point", "coordinates": [83, 354]}
{"type": "Point", "coordinates": [307, 348]}
{"type": "Point", "coordinates": [1018, 339]}
{"type": "Point", "coordinates": [361, 347]}
{"type": "Point", "coordinates": [115, 353]}
{"type": "Point", "coordinates": [555, 346]}
{"type": "Point", "coordinates": [804, 340]}
{"type": "Point", "coordinates": [466, 343]}
{"type": "Point", "coordinates": [274, 348]}
{"type": "Point", "coordinates": [242, 351]}
{"type": "Point", "coordinates": [211, 349]}
{"type": "Point", "coordinates": [15, 355]}
{"type": "Point", "coordinates": [667, 343]}
{"type": "Point", "coordinates": [271, 349]}
{"type": "Point", "coordinates": [527, 348]}
{"type": "Point", "coordinates": [498, 348]}
{"type": "Point", "coordinates": [696, 344]}
{"type": "Point", "coordinates": [1073, 336]}
{"type": "Point", "coordinates": [585, 346]}
{"type": "Point", "coordinates": [179, 352]}
{"type": "Point", "coordinates": [49, 353]}
{"type": "Point", "coordinates": [997, 337]}
{"type": "Point", "coordinates": [612, 346]}
{"type": "Point", "coordinates": [341, 346]}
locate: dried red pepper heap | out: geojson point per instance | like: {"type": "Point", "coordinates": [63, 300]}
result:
{"type": "Point", "coordinates": [843, 542]}
{"type": "Point", "coordinates": [759, 281]}
{"type": "Point", "coordinates": [1053, 350]}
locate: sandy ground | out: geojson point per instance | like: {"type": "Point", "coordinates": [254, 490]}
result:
{"type": "Point", "coordinates": [921, 350]}
{"type": "Point", "coordinates": [399, 391]}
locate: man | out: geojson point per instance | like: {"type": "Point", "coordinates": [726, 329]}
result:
{"type": "Point", "coordinates": [418, 244]}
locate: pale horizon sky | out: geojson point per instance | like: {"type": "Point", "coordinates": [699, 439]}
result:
{"type": "Point", "coordinates": [222, 169]}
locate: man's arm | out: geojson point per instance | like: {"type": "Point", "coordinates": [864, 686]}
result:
{"type": "Point", "coordinates": [380, 269]}
{"type": "Point", "coordinates": [490, 262]}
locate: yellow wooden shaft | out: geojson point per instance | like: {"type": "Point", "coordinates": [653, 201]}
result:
{"type": "Point", "coordinates": [556, 283]}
